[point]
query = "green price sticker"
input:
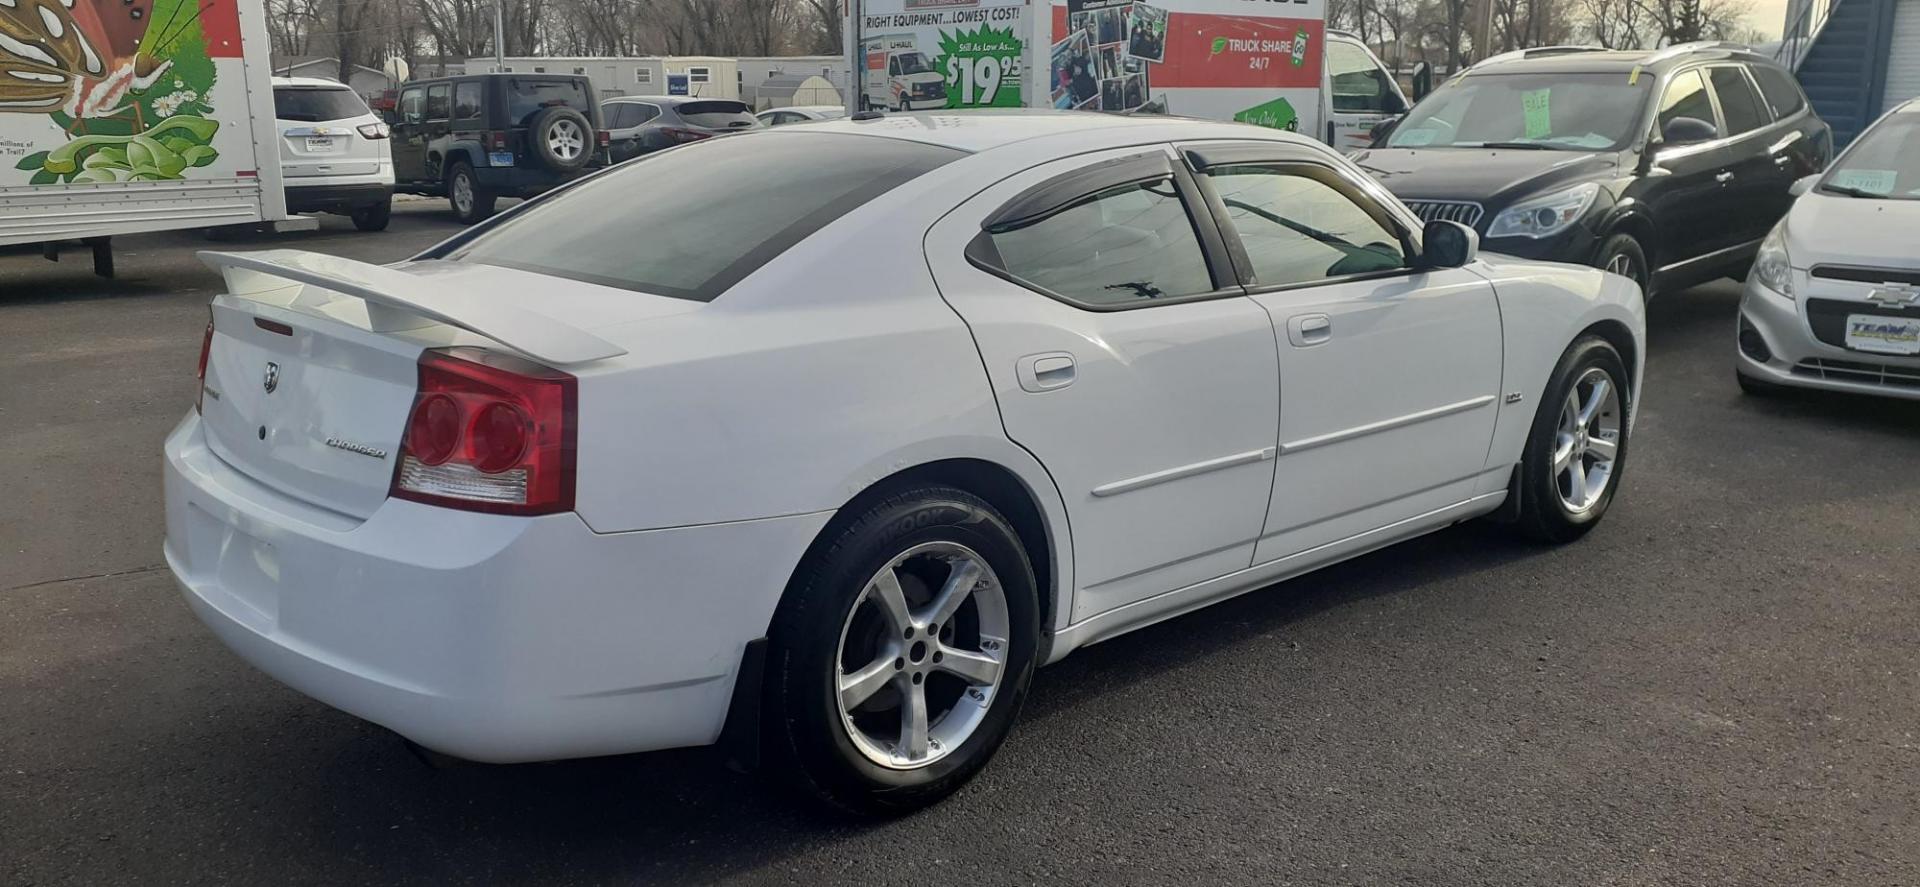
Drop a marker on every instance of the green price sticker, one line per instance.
(1539, 112)
(982, 67)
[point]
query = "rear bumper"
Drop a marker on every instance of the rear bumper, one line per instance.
(485, 637)
(337, 197)
(1794, 357)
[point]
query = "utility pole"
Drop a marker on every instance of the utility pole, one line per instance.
(1481, 29)
(499, 35)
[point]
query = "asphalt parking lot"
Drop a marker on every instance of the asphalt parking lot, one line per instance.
(1718, 686)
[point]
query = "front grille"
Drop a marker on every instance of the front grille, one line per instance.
(1465, 212)
(1857, 372)
(1828, 317)
(1866, 275)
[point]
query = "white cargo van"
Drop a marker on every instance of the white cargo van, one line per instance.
(148, 120)
(1269, 64)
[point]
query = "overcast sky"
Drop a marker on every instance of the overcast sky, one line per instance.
(1768, 16)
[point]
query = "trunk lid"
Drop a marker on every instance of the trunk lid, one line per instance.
(313, 364)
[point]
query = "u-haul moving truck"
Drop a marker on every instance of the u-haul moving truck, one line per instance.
(1266, 62)
(128, 116)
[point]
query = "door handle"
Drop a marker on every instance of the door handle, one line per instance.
(1045, 372)
(1308, 330)
(1724, 178)
(1782, 160)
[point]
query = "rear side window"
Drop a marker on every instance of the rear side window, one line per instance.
(1782, 93)
(717, 114)
(1122, 247)
(618, 115)
(1738, 102)
(1686, 97)
(316, 103)
(437, 104)
(527, 96)
(466, 101)
(714, 211)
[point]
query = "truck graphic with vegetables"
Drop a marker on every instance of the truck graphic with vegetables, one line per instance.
(125, 116)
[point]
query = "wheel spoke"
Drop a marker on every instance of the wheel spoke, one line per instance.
(1577, 490)
(892, 601)
(960, 584)
(1570, 414)
(1602, 448)
(977, 669)
(1595, 399)
(913, 722)
(1562, 453)
(857, 688)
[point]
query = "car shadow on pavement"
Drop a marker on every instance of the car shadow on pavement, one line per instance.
(682, 817)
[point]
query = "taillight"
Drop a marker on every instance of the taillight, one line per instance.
(685, 135)
(489, 432)
(206, 348)
(374, 131)
(602, 139)
(497, 140)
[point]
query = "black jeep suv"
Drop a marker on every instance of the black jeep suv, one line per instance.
(485, 136)
(1667, 166)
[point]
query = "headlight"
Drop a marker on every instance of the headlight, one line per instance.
(1546, 215)
(1771, 267)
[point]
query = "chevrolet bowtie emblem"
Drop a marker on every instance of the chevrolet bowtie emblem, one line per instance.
(1895, 294)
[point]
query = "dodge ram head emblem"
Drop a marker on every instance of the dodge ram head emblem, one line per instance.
(273, 376)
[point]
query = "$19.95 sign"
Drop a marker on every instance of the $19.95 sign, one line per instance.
(982, 67)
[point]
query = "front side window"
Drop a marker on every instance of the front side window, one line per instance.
(1738, 102)
(1121, 247)
(437, 104)
(1299, 224)
(1686, 96)
(1358, 83)
(1884, 163)
(713, 212)
(912, 63)
(413, 104)
(1568, 112)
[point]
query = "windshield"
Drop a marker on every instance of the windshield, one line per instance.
(713, 212)
(1570, 112)
(315, 103)
(914, 63)
(1883, 164)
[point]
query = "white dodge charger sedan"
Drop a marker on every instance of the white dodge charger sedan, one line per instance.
(1833, 300)
(816, 442)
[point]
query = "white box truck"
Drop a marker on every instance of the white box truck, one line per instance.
(130, 116)
(1269, 63)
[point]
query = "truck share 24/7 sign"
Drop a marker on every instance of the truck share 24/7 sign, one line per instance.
(1257, 61)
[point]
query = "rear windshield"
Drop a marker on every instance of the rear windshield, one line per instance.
(527, 96)
(714, 211)
(717, 115)
(314, 103)
(1567, 112)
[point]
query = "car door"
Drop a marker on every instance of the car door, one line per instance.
(1125, 358)
(469, 121)
(409, 142)
(1389, 375)
(1756, 194)
(437, 128)
(1689, 181)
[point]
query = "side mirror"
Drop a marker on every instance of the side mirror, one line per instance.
(1688, 130)
(1447, 245)
(1383, 129)
(1422, 80)
(1803, 184)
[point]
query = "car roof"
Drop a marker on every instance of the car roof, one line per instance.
(310, 82)
(1593, 60)
(984, 129)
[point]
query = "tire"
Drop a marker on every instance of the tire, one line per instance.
(1552, 509)
(831, 624)
(562, 139)
(1623, 249)
(471, 202)
(374, 216)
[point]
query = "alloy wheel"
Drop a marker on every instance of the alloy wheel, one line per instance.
(1586, 444)
(565, 139)
(922, 655)
(463, 194)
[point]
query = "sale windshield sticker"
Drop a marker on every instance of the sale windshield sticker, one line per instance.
(1537, 112)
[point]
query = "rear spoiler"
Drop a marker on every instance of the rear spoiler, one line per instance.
(394, 297)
